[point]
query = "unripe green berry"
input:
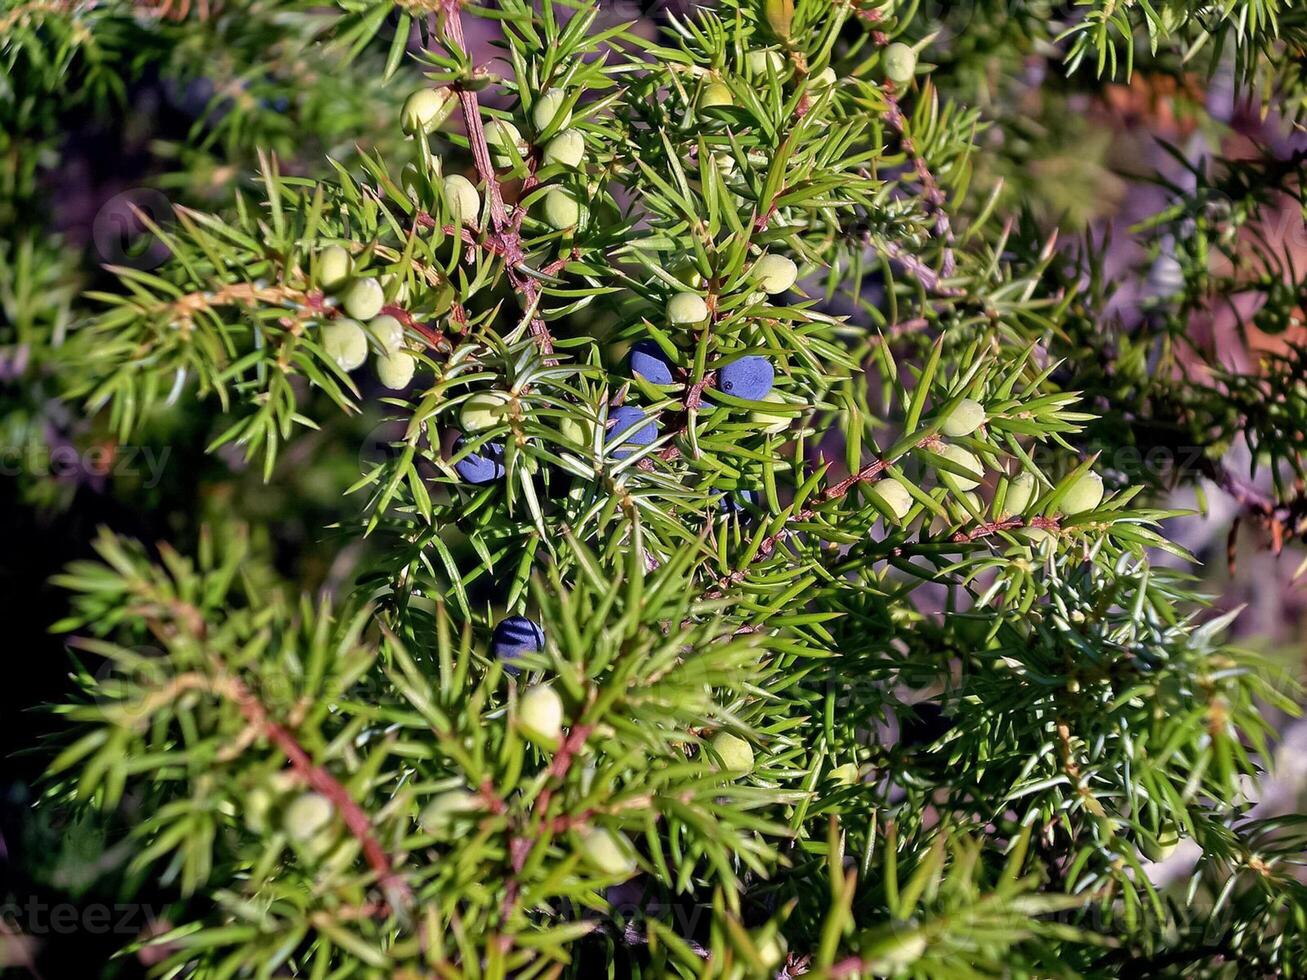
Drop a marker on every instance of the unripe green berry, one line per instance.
(1162, 846)
(567, 148)
(893, 494)
(775, 273)
(502, 137)
(773, 422)
(771, 951)
(687, 309)
(387, 332)
(540, 715)
(306, 816)
(346, 343)
(561, 209)
(824, 79)
(484, 410)
(900, 63)
(845, 775)
(579, 432)
(715, 94)
(759, 61)
(396, 369)
(888, 956)
(444, 810)
(735, 753)
(547, 106)
(1085, 494)
(1035, 535)
(364, 299)
(967, 460)
(335, 265)
(1019, 493)
(462, 197)
(426, 109)
(965, 419)
(608, 853)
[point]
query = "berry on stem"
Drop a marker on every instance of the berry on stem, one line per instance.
(1019, 493)
(968, 461)
(502, 137)
(735, 753)
(335, 266)
(715, 94)
(567, 148)
(483, 465)
(687, 309)
(387, 332)
(608, 853)
(967, 416)
(770, 421)
(446, 810)
(625, 423)
(749, 378)
(562, 210)
(396, 369)
(891, 492)
(649, 362)
(758, 62)
(364, 299)
(514, 637)
(484, 410)
(425, 110)
(1083, 495)
(346, 343)
(775, 273)
(900, 63)
(546, 108)
(306, 816)
(823, 80)
(462, 197)
(540, 715)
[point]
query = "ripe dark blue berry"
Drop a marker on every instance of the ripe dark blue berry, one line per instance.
(485, 465)
(514, 637)
(749, 378)
(650, 363)
(627, 417)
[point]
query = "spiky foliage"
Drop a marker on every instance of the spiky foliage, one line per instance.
(863, 674)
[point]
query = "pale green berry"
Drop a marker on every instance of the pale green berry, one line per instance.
(364, 299)
(396, 288)
(426, 109)
(824, 79)
(775, 273)
(900, 63)
(688, 274)
(561, 209)
(759, 61)
(770, 422)
(396, 369)
(567, 148)
(502, 137)
(968, 461)
(771, 951)
(1019, 493)
(462, 197)
(687, 309)
(966, 417)
(845, 775)
(540, 715)
(608, 853)
(484, 410)
(346, 343)
(546, 108)
(1163, 845)
(1085, 494)
(442, 813)
(735, 753)
(894, 953)
(715, 94)
(306, 816)
(1035, 535)
(387, 332)
(579, 432)
(335, 266)
(893, 494)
